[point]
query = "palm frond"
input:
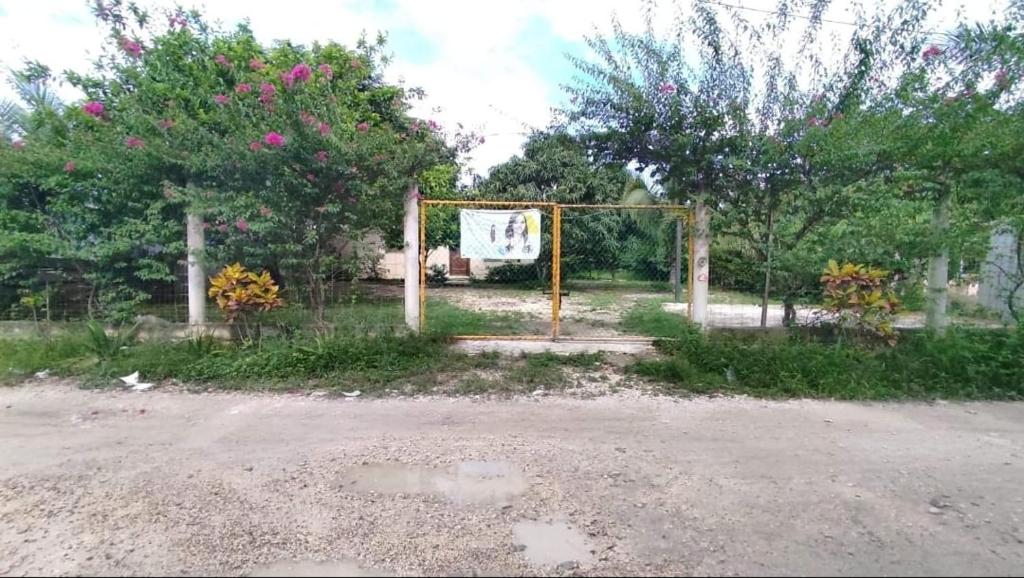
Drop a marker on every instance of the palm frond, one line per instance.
(13, 119)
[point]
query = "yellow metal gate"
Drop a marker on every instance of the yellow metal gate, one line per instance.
(556, 279)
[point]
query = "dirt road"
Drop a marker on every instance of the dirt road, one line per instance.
(118, 483)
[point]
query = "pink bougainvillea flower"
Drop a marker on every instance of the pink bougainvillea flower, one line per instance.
(134, 142)
(415, 127)
(265, 212)
(243, 88)
(311, 177)
(433, 125)
(356, 63)
(667, 88)
(482, 140)
(302, 72)
(326, 70)
(257, 64)
(223, 227)
(321, 156)
(93, 108)
(267, 92)
(222, 60)
(18, 144)
(132, 48)
(69, 166)
(363, 126)
(242, 224)
(177, 20)
(307, 118)
(287, 79)
(205, 225)
(274, 139)
(325, 129)
(221, 99)
(931, 52)
(165, 123)
(255, 146)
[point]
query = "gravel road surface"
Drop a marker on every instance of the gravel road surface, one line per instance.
(166, 482)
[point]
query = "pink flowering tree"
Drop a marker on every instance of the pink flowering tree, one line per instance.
(290, 153)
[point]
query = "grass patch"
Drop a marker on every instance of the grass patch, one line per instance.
(963, 364)
(372, 363)
(445, 319)
(648, 318)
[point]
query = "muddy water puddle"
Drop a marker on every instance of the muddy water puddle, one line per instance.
(315, 569)
(466, 482)
(552, 543)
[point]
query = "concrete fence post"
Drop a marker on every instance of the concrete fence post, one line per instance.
(701, 263)
(196, 242)
(411, 231)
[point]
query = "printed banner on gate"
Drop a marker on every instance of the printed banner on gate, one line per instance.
(500, 234)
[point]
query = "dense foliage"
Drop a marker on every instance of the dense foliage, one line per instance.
(291, 154)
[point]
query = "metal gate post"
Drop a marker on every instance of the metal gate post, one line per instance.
(423, 266)
(556, 268)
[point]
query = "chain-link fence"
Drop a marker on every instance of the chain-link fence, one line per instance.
(612, 265)
(362, 300)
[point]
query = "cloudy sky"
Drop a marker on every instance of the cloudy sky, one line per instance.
(495, 66)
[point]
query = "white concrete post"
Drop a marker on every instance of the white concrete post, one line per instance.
(701, 263)
(196, 241)
(412, 258)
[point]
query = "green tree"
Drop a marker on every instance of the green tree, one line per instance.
(554, 167)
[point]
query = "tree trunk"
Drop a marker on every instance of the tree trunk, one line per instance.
(767, 271)
(938, 265)
(702, 262)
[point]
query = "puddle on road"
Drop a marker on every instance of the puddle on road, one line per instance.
(315, 569)
(551, 543)
(468, 482)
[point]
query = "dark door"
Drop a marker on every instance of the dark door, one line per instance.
(457, 266)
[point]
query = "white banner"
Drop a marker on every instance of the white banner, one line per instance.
(500, 234)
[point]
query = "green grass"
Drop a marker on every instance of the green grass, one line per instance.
(446, 319)
(964, 364)
(649, 319)
(372, 363)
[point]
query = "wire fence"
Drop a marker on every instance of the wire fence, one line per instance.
(595, 272)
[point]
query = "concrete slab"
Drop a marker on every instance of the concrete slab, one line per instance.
(638, 346)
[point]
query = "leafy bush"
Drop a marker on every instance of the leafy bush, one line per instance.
(963, 364)
(512, 273)
(105, 345)
(437, 275)
(858, 297)
(238, 291)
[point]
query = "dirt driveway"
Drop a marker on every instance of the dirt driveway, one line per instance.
(115, 483)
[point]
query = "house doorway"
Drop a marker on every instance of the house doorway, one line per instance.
(457, 265)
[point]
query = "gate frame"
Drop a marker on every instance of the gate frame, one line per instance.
(556, 261)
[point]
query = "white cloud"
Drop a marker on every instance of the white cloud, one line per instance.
(480, 74)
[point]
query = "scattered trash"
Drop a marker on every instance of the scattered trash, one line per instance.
(42, 374)
(133, 381)
(355, 393)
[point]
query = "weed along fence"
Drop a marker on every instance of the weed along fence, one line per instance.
(512, 270)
